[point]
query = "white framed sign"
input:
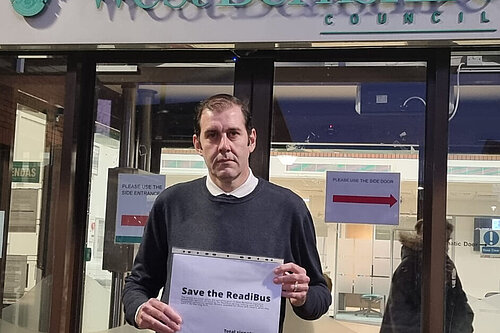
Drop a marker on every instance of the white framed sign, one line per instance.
(135, 197)
(362, 197)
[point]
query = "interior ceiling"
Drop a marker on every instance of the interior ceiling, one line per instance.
(309, 81)
(341, 91)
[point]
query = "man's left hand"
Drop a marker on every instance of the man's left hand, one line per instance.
(294, 282)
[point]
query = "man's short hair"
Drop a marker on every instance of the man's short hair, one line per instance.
(219, 103)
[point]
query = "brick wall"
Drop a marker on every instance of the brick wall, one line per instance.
(7, 115)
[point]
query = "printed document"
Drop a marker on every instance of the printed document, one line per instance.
(224, 293)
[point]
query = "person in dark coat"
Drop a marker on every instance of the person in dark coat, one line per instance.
(403, 308)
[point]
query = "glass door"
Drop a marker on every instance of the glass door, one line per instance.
(339, 123)
(474, 185)
(32, 92)
(144, 125)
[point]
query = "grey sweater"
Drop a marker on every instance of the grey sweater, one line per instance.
(270, 222)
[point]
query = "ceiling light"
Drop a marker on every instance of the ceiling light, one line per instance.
(213, 46)
(32, 56)
(480, 69)
(110, 68)
(351, 44)
(106, 46)
(477, 42)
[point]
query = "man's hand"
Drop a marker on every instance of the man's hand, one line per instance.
(158, 316)
(294, 282)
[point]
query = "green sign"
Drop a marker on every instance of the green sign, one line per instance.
(26, 172)
(29, 7)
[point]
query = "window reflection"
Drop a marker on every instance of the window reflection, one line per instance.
(350, 117)
(144, 120)
(32, 92)
(474, 179)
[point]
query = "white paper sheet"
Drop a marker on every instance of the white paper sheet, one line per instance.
(223, 293)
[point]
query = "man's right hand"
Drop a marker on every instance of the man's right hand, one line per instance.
(158, 316)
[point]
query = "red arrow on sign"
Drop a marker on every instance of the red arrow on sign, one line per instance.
(360, 199)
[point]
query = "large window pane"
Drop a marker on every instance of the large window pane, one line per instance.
(350, 117)
(144, 118)
(474, 186)
(32, 91)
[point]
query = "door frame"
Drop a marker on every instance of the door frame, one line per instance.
(252, 81)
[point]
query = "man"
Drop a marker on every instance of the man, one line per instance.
(254, 218)
(403, 309)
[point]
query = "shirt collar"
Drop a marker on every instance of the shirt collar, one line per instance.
(243, 190)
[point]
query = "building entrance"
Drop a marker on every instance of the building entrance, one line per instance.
(69, 122)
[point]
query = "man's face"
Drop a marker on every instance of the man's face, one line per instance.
(225, 146)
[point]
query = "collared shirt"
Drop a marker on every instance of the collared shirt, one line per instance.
(243, 190)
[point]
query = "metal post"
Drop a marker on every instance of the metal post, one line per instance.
(145, 128)
(116, 316)
(127, 159)
(127, 135)
(436, 154)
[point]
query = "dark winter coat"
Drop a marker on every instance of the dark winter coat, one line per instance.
(403, 308)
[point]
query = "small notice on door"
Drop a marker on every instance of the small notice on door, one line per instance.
(362, 197)
(136, 195)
